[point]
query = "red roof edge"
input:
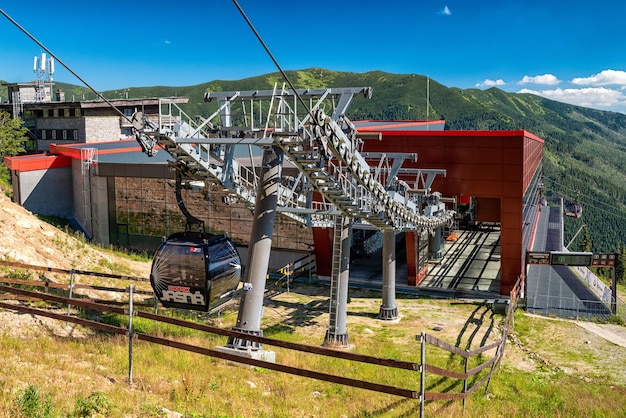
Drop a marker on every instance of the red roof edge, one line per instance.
(24, 163)
(517, 133)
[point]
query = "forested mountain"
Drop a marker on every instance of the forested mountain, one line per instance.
(585, 149)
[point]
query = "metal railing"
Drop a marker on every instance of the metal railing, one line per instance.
(574, 308)
(470, 379)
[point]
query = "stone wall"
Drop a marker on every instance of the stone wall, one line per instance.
(103, 129)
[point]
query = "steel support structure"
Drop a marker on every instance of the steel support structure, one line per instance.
(324, 146)
(337, 333)
(388, 309)
(251, 306)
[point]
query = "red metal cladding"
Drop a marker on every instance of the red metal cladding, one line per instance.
(26, 163)
(496, 167)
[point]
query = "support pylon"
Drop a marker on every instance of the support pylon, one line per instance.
(388, 309)
(251, 306)
(337, 333)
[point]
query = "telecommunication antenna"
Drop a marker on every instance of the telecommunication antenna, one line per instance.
(43, 66)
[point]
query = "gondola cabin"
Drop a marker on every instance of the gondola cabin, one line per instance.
(573, 210)
(193, 270)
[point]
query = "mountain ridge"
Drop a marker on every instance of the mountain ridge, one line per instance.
(585, 149)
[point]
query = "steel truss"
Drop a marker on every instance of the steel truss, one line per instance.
(318, 140)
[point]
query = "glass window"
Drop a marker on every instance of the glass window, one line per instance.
(183, 265)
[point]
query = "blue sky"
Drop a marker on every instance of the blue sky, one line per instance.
(572, 51)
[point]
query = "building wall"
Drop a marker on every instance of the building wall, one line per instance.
(99, 210)
(496, 167)
(102, 128)
(58, 125)
(46, 191)
(82, 198)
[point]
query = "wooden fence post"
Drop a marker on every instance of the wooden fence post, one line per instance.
(466, 359)
(130, 334)
(71, 290)
(422, 372)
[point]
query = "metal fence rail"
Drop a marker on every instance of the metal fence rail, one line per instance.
(481, 373)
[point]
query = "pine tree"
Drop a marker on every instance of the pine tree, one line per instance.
(12, 136)
(620, 269)
(585, 245)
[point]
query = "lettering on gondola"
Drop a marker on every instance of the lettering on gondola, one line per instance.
(177, 296)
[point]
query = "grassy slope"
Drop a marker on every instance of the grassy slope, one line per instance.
(551, 368)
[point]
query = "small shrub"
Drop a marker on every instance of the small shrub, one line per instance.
(95, 404)
(33, 404)
(616, 320)
(20, 274)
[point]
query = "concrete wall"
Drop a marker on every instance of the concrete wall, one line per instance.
(82, 200)
(100, 210)
(45, 192)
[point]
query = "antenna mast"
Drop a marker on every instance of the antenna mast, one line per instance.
(44, 68)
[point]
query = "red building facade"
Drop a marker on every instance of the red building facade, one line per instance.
(497, 168)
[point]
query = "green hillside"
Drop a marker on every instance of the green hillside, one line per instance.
(585, 151)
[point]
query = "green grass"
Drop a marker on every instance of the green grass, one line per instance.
(87, 376)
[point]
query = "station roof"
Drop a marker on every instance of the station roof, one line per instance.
(35, 162)
(129, 151)
(395, 125)
(115, 152)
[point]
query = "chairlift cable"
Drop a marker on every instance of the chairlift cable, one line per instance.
(614, 214)
(561, 186)
(282, 72)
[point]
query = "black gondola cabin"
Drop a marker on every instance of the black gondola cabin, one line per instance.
(194, 270)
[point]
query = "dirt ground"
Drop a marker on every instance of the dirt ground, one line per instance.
(26, 239)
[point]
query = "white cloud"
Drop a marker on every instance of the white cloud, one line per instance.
(168, 42)
(547, 79)
(446, 11)
(594, 97)
(604, 78)
(490, 83)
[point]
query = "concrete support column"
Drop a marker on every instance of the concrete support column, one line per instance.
(337, 333)
(388, 309)
(434, 245)
(251, 306)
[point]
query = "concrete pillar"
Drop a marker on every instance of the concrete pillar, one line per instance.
(337, 333)
(251, 306)
(388, 309)
(435, 251)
